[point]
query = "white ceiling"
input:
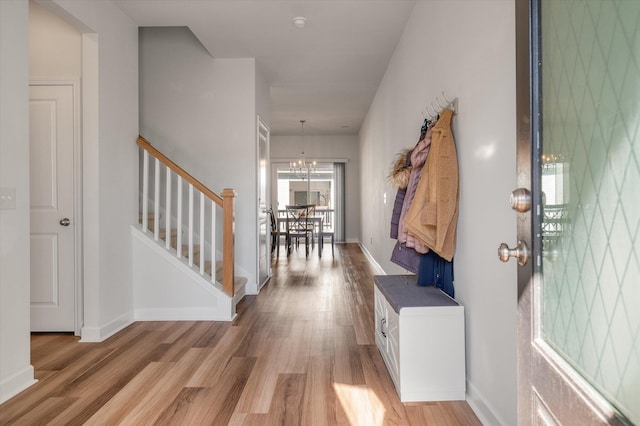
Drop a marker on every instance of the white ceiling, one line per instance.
(326, 73)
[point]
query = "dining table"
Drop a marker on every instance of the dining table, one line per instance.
(283, 219)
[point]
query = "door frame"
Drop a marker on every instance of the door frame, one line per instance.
(75, 84)
(541, 371)
(261, 124)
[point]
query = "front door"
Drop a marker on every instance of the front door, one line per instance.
(53, 223)
(578, 73)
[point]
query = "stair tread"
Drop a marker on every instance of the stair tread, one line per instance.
(163, 233)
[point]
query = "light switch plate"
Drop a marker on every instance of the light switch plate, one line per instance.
(7, 198)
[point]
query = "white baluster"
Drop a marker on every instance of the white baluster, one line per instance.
(156, 203)
(179, 219)
(145, 190)
(190, 225)
(201, 233)
(167, 212)
(213, 241)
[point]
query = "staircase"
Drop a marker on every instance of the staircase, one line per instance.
(238, 282)
(177, 243)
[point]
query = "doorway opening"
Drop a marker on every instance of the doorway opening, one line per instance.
(322, 186)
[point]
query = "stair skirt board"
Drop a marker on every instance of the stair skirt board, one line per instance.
(166, 288)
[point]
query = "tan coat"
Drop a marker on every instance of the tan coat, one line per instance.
(433, 215)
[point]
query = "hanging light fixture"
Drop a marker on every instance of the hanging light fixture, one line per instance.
(301, 168)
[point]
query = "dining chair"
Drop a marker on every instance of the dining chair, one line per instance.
(274, 231)
(300, 226)
(327, 233)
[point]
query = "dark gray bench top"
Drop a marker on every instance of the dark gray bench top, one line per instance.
(402, 291)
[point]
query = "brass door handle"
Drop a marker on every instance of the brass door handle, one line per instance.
(521, 252)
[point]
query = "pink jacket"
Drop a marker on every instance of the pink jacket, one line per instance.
(418, 159)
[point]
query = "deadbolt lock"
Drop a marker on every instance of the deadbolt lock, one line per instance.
(520, 200)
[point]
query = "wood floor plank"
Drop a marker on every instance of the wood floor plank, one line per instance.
(122, 362)
(20, 405)
(286, 406)
(238, 419)
(347, 363)
(197, 406)
(131, 333)
(301, 352)
(360, 404)
(176, 330)
(53, 347)
(435, 414)
(378, 379)
(46, 411)
(165, 391)
(463, 413)
(209, 371)
(363, 319)
(131, 395)
(299, 342)
(96, 386)
(319, 405)
(322, 334)
(213, 335)
(185, 341)
(258, 393)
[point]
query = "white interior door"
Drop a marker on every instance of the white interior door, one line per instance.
(264, 227)
(579, 156)
(53, 284)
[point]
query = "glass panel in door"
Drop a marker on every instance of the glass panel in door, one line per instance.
(578, 88)
(264, 228)
(590, 193)
(314, 186)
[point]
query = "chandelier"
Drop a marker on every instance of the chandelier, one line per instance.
(301, 168)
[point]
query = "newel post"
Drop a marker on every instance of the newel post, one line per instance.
(228, 233)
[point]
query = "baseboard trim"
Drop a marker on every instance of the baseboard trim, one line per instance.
(485, 413)
(16, 383)
(99, 334)
(180, 314)
(376, 266)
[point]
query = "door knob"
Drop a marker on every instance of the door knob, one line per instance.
(65, 221)
(521, 252)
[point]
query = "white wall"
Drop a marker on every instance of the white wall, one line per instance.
(263, 96)
(201, 112)
(320, 148)
(16, 373)
(467, 49)
(55, 47)
(110, 160)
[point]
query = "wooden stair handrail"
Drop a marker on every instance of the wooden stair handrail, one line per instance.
(226, 201)
(146, 145)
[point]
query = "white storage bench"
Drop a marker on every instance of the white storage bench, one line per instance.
(420, 334)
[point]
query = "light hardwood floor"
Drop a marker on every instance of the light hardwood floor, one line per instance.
(302, 352)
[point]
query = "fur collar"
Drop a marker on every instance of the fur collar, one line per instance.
(401, 169)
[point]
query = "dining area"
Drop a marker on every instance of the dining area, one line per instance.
(302, 227)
